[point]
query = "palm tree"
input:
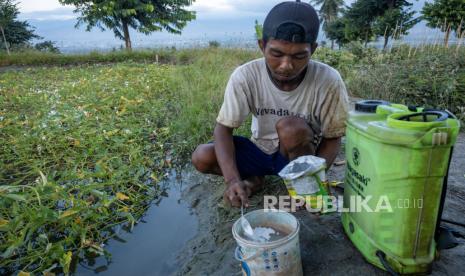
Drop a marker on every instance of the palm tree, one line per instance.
(329, 11)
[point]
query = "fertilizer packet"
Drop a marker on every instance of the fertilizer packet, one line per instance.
(306, 177)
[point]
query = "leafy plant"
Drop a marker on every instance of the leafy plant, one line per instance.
(83, 149)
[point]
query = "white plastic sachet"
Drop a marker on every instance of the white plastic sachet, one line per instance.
(304, 173)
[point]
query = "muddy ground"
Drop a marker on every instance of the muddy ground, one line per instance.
(325, 249)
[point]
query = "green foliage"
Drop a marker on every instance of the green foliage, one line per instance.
(394, 23)
(427, 76)
(144, 16)
(200, 87)
(8, 12)
(336, 31)
(13, 32)
(258, 30)
(448, 15)
(359, 19)
(83, 149)
(341, 60)
(365, 20)
(213, 44)
(361, 53)
(20, 33)
(47, 46)
(329, 12)
(36, 58)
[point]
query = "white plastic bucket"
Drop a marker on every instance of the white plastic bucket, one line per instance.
(279, 257)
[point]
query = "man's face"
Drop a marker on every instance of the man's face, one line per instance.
(286, 60)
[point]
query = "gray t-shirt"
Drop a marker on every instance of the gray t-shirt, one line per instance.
(321, 99)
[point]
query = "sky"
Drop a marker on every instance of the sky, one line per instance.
(206, 9)
(231, 22)
(205, 5)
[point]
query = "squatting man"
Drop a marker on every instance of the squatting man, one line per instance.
(298, 107)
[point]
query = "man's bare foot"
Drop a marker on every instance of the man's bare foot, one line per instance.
(254, 184)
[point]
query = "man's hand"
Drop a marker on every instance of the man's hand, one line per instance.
(237, 192)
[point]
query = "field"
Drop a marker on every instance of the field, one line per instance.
(86, 139)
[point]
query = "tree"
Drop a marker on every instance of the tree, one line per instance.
(395, 22)
(8, 12)
(20, 33)
(13, 32)
(145, 16)
(362, 16)
(448, 15)
(359, 19)
(329, 12)
(336, 32)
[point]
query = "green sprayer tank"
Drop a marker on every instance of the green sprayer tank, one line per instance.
(397, 165)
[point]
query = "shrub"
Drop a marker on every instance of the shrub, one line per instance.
(342, 60)
(429, 76)
(213, 44)
(47, 46)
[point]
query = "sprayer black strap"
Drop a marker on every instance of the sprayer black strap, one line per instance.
(441, 116)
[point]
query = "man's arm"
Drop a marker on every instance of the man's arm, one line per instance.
(328, 149)
(236, 191)
(225, 152)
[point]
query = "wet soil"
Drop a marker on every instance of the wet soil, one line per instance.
(325, 248)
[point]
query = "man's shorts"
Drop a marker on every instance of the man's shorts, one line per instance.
(251, 161)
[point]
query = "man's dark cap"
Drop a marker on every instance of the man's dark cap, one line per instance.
(292, 21)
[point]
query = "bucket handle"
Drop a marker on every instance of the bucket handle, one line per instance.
(238, 255)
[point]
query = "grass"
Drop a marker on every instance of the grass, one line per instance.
(36, 58)
(84, 146)
(429, 76)
(81, 149)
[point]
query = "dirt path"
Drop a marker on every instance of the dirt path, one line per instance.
(324, 247)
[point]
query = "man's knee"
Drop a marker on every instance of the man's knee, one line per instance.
(202, 158)
(294, 133)
(293, 128)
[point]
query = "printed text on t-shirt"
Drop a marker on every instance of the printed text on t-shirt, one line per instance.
(280, 112)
